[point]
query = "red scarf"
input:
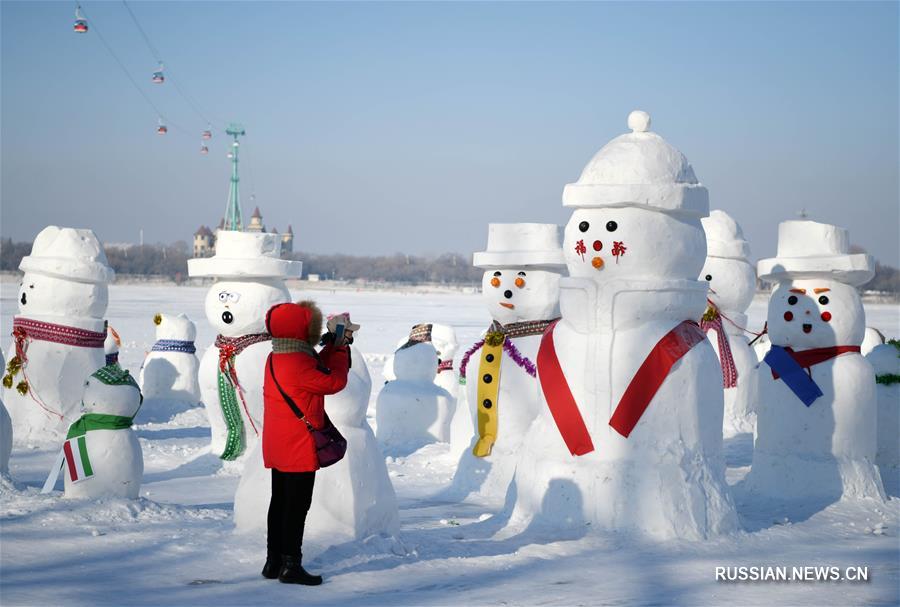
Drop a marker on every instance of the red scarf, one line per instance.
(808, 358)
(641, 390)
(712, 320)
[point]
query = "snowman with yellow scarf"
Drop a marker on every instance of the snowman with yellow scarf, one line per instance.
(520, 287)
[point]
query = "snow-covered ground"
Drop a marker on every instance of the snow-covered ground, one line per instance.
(176, 546)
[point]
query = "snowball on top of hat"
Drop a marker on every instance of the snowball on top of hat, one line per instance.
(178, 327)
(245, 255)
(639, 169)
(809, 249)
(68, 253)
(512, 245)
(724, 237)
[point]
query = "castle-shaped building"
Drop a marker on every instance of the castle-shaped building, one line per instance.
(205, 239)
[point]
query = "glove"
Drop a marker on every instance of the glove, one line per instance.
(349, 327)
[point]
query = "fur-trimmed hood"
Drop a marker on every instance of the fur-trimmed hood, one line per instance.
(301, 320)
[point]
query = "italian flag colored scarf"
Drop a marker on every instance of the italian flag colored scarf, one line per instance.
(230, 391)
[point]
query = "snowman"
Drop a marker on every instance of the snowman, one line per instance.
(443, 338)
(732, 284)
(59, 333)
(249, 277)
(871, 339)
(352, 499)
(169, 375)
(885, 359)
(522, 267)
(5, 432)
(630, 436)
(101, 454)
(816, 431)
(111, 346)
(412, 411)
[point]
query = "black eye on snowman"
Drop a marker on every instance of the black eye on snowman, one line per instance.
(611, 226)
(584, 226)
(792, 299)
(223, 296)
(823, 300)
(708, 277)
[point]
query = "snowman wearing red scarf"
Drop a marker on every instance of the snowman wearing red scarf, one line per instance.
(58, 334)
(630, 436)
(817, 413)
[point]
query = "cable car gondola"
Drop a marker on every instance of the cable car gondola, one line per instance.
(207, 135)
(81, 26)
(158, 76)
(162, 129)
(204, 150)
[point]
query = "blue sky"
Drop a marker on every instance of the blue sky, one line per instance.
(384, 127)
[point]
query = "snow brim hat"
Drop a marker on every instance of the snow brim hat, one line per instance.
(724, 237)
(113, 391)
(513, 245)
(245, 255)
(69, 253)
(639, 169)
(808, 249)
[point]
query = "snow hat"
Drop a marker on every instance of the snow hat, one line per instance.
(245, 255)
(513, 245)
(639, 169)
(808, 249)
(68, 253)
(418, 334)
(112, 390)
(724, 237)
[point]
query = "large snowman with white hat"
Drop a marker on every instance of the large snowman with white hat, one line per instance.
(58, 334)
(249, 275)
(169, 377)
(522, 267)
(354, 498)
(732, 284)
(631, 434)
(816, 429)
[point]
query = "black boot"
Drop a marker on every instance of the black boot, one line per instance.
(292, 572)
(272, 567)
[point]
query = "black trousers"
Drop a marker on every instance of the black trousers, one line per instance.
(291, 498)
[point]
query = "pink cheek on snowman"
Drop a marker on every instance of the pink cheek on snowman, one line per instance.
(789, 316)
(826, 316)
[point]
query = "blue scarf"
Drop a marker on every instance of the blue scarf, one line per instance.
(793, 375)
(174, 345)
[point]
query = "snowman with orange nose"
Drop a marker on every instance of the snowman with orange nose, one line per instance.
(816, 432)
(520, 289)
(630, 435)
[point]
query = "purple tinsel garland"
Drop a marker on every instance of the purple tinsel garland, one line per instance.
(510, 348)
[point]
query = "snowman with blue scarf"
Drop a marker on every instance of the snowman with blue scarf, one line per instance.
(816, 430)
(170, 370)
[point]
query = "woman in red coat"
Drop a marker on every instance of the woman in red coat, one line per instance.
(306, 376)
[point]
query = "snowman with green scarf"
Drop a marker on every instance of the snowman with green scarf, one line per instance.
(101, 455)
(249, 274)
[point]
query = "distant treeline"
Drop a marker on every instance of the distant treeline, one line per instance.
(171, 261)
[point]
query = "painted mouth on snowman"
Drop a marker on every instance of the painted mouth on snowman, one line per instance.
(508, 305)
(227, 317)
(24, 298)
(807, 328)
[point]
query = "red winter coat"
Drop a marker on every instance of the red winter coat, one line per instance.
(286, 442)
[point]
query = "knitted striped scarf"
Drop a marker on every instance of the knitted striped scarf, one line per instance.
(230, 390)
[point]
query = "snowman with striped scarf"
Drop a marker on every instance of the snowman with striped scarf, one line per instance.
(249, 275)
(58, 334)
(816, 433)
(630, 433)
(169, 375)
(101, 456)
(522, 267)
(732, 284)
